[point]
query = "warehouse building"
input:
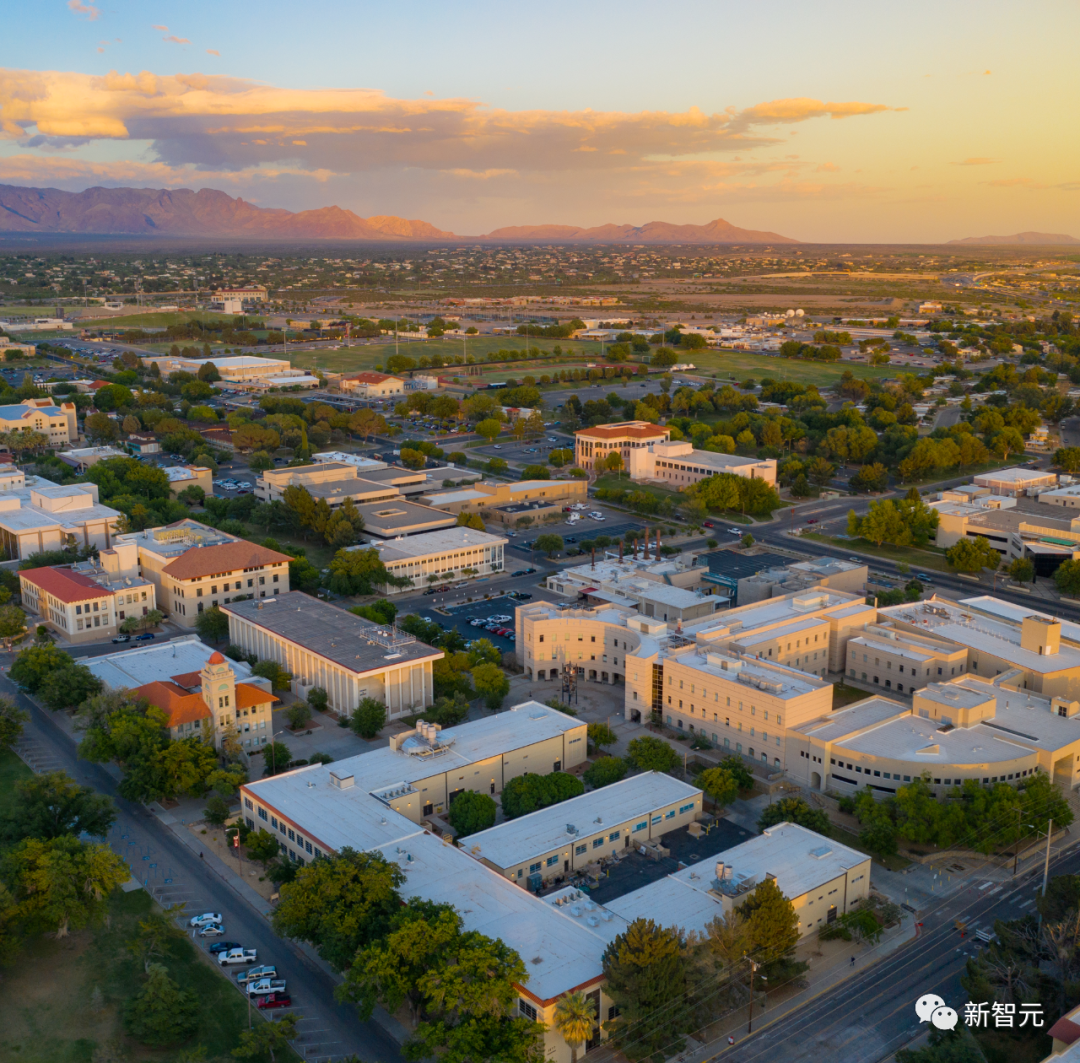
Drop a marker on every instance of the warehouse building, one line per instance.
(323, 646)
(565, 838)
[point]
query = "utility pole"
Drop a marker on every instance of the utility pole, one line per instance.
(1016, 851)
(750, 1023)
(1046, 865)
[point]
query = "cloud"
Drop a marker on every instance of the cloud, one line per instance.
(176, 40)
(221, 123)
(976, 162)
(161, 29)
(213, 51)
(1039, 186)
(92, 13)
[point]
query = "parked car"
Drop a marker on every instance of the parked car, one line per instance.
(215, 930)
(922, 577)
(264, 986)
(256, 974)
(520, 596)
(430, 590)
(237, 956)
(812, 520)
(520, 572)
(275, 1000)
(223, 946)
(145, 638)
(122, 638)
(707, 524)
(206, 919)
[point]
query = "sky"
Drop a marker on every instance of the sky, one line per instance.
(831, 121)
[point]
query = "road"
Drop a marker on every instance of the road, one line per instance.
(869, 1016)
(176, 874)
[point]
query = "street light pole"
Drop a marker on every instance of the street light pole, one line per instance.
(750, 1023)
(1046, 865)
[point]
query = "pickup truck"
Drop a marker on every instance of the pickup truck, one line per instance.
(237, 956)
(255, 974)
(266, 985)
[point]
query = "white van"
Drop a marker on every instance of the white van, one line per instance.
(573, 518)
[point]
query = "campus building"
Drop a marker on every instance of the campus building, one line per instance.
(444, 556)
(1015, 482)
(181, 477)
(89, 601)
(57, 423)
(593, 445)
(678, 464)
(503, 502)
(82, 459)
(324, 646)
(371, 385)
(331, 481)
(963, 730)
(566, 838)
(234, 369)
(201, 693)
(194, 567)
(37, 514)
(398, 517)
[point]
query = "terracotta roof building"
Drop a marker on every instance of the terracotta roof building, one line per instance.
(595, 444)
(89, 602)
(213, 704)
(195, 567)
(372, 385)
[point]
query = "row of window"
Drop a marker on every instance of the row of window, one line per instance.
(937, 782)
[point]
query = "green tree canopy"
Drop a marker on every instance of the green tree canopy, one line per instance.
(973, 555)
(161, 1013)
(472, 812)
(527, 793)
(54, 804)
(649, 753)
(604, 771)
(795, 810)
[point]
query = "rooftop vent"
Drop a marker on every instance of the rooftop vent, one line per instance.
(820, 852)
(342, 782)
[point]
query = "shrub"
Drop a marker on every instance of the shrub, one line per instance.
(604, 771)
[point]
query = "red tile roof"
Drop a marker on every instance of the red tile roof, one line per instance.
(228, 557)
(248, 695)
(370, 378)
(1065, 1030)
(64, 584)
(615, 431)
(175, 702)
(188, 680)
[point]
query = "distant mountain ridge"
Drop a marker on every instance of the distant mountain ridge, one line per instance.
(182, 212)
(212, 213)
(655, 232)
(1019, 238)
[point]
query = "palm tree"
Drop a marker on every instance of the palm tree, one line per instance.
(575, 1015)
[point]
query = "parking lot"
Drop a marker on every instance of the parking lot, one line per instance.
(460, 615)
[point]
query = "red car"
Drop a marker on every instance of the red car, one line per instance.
(812, 520)
(709, 524)
(275, 1000)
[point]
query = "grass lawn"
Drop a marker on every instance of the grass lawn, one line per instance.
(930, 557)
(740, 365)
(845, 837)
(64, 999)
(163, 320)
(624, 483)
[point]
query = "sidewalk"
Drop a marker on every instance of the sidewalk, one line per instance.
(834, 969)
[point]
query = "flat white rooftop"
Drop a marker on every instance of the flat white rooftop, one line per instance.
(519, 839)
(442, 541)
(1016, 476)
(349, 459)
(155, 662)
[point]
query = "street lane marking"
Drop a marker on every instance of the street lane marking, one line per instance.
(986, 885)
(993, 891)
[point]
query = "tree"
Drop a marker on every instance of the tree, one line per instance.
(527, 793)
(772, 924)
(1068, 458)
(369, 718)
(390, 971)
(100, 428)
(613, 462)
(68, 686)
(52, 805)
(212, 624)
(161, 1013)
(972, 555)
(489, 429)
(277, 757)
(216, 811)
(262, 846)
(873, 477)
(795, 810)
(267, 1038)
(60, 884)
(341, 904)
(413, 459)
(34, 665)
(734, 765)
(448, 711)
(12, 719)
(575, 1018)
(299, 715)
(318, 699)
(1022, 570)
(651, 754)
(491, 684)
(645, 971)
(1066, 576)
(279, 678)
(720, 784)
(471, 812)
(12, 621)
(549, 544)
(601, 735)
(470, 520)
(604, 771)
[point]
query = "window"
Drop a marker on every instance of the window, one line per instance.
(597, 842)
(613, 836)
(669, 814)
(552, 860)
(273, 821)
(262, 813)
(640, 826)
(533, 868)
(657, 819)
(527, 1009)
(247, 803)
(686, 808)
(580, 849)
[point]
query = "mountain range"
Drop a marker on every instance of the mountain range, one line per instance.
(1019, 238)
(211, 213)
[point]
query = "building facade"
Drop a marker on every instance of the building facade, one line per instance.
(371, 385)
(57, 423)
(593, 445)
(450, 555)
(680, 465)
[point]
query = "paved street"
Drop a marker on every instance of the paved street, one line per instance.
(175, 874)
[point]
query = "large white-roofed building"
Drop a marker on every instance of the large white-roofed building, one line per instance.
(451, 554)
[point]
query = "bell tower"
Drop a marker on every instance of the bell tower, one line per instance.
(219, 690)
